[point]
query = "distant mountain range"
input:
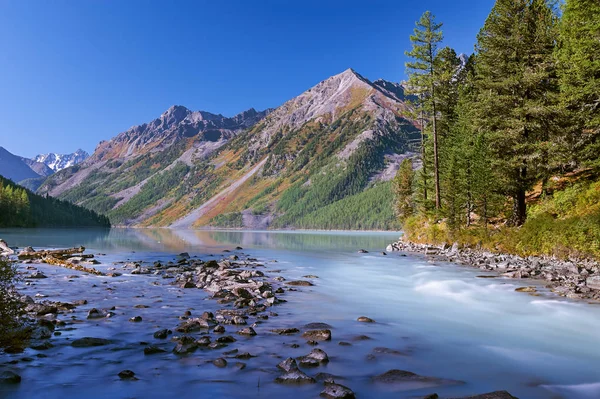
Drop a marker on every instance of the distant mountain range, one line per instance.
(321, 160)
(30, 173)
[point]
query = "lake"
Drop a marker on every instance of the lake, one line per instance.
(433, 318)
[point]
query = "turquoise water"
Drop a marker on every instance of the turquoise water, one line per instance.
(443, 320)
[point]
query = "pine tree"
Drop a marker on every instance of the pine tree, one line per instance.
(515, 73)
(578, 56)
(402, 186)
(422, 78)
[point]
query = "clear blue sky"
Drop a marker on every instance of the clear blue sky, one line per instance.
(75, 72)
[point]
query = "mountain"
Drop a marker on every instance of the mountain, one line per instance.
(56, 162)
(14, 167)
(321, 160)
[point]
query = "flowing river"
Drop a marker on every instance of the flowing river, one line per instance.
(433, 319)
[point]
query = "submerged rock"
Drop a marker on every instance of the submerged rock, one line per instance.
(220, 362)
(403, 377)
(151, 350)
(490, 395)
(285, 331)
(162, 334)
(9, 377)
(87, 342)
(300, 283)
(337, 391)
(365, 319)
(317, 335)
(295, 377)
(127, 375)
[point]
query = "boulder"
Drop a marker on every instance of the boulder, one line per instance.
(317, 335)
(288, 365)
(593, 282)
(315, 358)
(295, 377)
(248, 331)
(337, 391)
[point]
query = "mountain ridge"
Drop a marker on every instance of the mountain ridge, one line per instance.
(158, 173)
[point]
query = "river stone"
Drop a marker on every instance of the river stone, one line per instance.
(38, 275)
(192, 325)
(127, 375)
(490, 395)
(295, 377)
(220, 362)
(315, 358)
(288, 365)
(526, 289)
(300, 283)
(151, 350)
(248, 331)
(226, 339)
(162, 334)
(285, 331)
(317, 335)
(593, 282)
(87, 342)
(136, 319)
(9, 377)
(403, 377)
(337, 391)
(365, 319)
(317, 326)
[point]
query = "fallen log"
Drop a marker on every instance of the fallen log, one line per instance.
(56, 253)
(51, 260)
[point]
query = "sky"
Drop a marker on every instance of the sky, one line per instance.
(75, 72)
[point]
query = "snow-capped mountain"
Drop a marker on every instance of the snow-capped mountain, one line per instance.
(58, 162)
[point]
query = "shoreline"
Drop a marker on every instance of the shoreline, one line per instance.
(573, 279)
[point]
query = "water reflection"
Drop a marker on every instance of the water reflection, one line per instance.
(167, 240)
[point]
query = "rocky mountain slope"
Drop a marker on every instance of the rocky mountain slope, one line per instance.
(322, 154)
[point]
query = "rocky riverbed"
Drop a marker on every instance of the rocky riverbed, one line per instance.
(221, 312)
(574, 279)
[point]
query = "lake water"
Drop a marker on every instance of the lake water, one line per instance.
(443, 321)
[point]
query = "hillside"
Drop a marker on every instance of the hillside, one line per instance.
(14, 167)
(286, 168)
(22, 208)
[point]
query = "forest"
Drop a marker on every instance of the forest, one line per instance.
(20, 207)
(510, 134)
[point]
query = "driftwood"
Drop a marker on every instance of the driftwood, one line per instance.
(51, 260)
(61, 257)
(56, 253)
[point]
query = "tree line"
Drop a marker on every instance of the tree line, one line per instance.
(20, 207)
(523, 108)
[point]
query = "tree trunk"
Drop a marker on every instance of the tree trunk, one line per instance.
(423, 157)
(436, 169)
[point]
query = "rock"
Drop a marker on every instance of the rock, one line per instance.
(238, 320)
(593, 282)
(188, 284)
(244, 356)
(242, 293)
(387, 351)
(38, 275)
(337, 391)
(288, 365)
(285, 331)
(9, 377)
(41, 346)
(310, 276)
(184, 255)
(317, 326)
(87, 342)
(192, 325)
(402, 376)
(151, 350)
(364, 319)
(127, 375)
(5, 250)
(98, 314)
(295, 377)
(220, 362)
(363, 251)
(227, 339)
(240, 365)
(248, 331)
(317, 335)
(490, 395)
(162, 334)
(300, 283)
(526, 289)
(185, 345)
(315, 358)
(344, 343)
(136, 319)
(219, 329)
